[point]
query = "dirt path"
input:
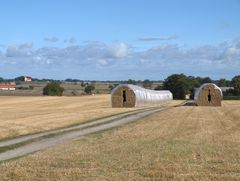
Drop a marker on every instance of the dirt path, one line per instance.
(106, 123)
(61, 130)
(29, 115)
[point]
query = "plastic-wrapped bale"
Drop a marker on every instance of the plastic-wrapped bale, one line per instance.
(127, 95)
(208, 95)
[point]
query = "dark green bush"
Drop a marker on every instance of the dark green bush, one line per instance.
(53, 89)
(89, 88)
(231, 97)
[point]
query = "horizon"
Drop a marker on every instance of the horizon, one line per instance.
(92, 40)
(120, 80)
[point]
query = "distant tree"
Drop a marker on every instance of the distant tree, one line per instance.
(53, 89)
(138, 81)
(159, 87)
(72, 80)
(35, 80)
(178, 84)
(236, 84)
(147, 83)
(112, 86)
(206, 80)
(89, 88)
(82, 84)
(229, 92)
(193, 84)
(20, 78)
(1, 79)
(130, 81)
(224, 83)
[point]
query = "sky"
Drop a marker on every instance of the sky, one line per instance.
(119, 40)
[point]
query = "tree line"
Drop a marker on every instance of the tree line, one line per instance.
(54, 89)
(179, 84)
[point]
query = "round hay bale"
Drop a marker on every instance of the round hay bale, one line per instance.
(208, 95)
(127, 95)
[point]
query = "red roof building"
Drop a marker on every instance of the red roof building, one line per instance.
(7, 86)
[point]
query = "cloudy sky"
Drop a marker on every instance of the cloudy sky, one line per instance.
(119, 40)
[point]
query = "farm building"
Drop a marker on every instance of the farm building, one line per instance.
(27, 79)
(127, 95)
(208, 95)
(7, 86)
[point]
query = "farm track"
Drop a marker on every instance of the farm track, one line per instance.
(24, 138)
(24, 145)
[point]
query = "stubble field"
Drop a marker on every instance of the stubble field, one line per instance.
(26, 115)
(193, 143)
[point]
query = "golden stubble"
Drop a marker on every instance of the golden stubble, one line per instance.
(182, 143)
(25, 115)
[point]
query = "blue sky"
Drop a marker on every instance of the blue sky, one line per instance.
(117, 40)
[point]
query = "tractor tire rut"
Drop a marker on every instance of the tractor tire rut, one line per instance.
(71, 133)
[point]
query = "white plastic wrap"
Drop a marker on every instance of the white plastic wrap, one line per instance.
(147, 97)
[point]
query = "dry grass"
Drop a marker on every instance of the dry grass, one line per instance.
(192, 143)
(24, 115)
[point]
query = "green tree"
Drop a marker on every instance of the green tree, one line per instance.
(82, 84)
(89, 88)
(205, 80)
(159, 87)
(112, 86)
(53, 89)
(193, 83)
(131, 81)
(178, 84)
(147, 83)
(20, 78)
(236, 84)
(224, 83)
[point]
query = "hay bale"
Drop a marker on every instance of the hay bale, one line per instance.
(123, 97)
(208, 95)
(127, 95)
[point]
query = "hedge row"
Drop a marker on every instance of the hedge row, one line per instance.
(231, 97)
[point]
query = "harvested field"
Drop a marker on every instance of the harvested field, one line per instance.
(25, 115)
(193, 143)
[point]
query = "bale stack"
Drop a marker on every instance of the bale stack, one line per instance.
(127, 95)
(208, 95)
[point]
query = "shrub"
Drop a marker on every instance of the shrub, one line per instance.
(159, 87)
(178, 84)
(53, 89)
(89, 88)
(236, 85)
(147, 84)
(231, 97)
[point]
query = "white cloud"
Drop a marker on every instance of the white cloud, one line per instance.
(119, 50)
(152, 38)
(98, 60)
(51, 39)
(71, 40)
(22, 50)
(102, 62)
(26, 45)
